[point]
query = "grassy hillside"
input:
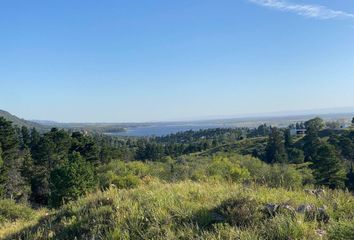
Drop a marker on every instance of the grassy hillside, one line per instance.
(20, 122)
(190, 210)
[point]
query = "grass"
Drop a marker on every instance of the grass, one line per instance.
(16, 217)
(188, 210)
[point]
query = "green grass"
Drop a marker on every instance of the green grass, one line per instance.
(191, 210)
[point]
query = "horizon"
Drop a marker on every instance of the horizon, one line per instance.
(161, 61)
(310, 113)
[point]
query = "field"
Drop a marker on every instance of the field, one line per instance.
(189, 210)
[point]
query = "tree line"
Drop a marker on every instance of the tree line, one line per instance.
(331, 160)
(58, 166)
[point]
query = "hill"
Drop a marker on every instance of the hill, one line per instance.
(189, 210)
(21, 122)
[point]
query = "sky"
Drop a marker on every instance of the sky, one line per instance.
(157, 60)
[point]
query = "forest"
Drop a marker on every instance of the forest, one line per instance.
(225, 183)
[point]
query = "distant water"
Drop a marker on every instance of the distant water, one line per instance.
(163, 130)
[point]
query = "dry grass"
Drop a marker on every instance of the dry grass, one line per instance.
(186, 210)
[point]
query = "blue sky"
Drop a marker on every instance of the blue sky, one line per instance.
(120, 61)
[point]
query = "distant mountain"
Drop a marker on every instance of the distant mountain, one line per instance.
(46, 122)
(21, 122)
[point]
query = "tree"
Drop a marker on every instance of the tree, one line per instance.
(288, 141)
(43, 159)
(353, 120)
(34, 138)
(25, 137)
(275, 150)
(295, 155)
(11, 181)
(350, 179)
(1, 161)
(86, 146)
(150, 151)
(315, 124)
(328, 170)
(71, 180)
(312, 140)
(16, 186)
(346, 146)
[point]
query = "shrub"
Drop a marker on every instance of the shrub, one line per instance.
(122, 175)
(128, 181)
(11, 211)
(283, 176)
(222, 167)
(240, 212)
(343, 230)
(281, 227)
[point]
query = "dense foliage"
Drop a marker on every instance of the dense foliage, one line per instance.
(58, 167)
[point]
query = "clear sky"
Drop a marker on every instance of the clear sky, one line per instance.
(119, 61)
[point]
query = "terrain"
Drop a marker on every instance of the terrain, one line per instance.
(218, 183)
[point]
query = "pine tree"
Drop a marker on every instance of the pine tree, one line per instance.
(312, 140)
(72, 180)
(350, 179)
(25, 137)
(328, 170)
(12, 184)
(34, 138)
(288, 141)
(1, 161)
(275, 150)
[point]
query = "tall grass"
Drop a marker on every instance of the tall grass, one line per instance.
(210, 209)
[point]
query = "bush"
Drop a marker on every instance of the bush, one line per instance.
(11, 211)
(122, 175)
(222, 167)
(343, 230)
(281, 228)
(128, 181)
(283, 176)
(241, 212)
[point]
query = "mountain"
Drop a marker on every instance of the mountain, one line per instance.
(46, 122)
(21, 122)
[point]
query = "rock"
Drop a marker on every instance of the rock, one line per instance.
(322, 215)
(313, 213)
(316, 192)
(310, 192)
(319, 192)
(305, 208)
(321, 233)
(272, 210)
(287, 209)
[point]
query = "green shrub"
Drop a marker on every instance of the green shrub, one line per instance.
(128, 181)
(122, 174)
(11, 211)
(281, 227)
(280, 175)
(343, 230)
(241, 212)
(222, 167)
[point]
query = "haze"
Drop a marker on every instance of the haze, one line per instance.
(122, 61)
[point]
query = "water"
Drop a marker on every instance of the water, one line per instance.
(162, 130)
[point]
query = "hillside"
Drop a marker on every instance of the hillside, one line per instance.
(21, 122)
(190, 210)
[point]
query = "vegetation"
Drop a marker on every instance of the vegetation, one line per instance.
(194, 210)
(240, 183)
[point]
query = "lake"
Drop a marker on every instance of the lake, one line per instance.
(162, 130)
